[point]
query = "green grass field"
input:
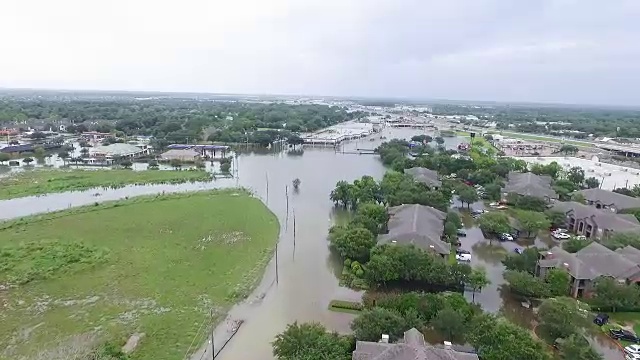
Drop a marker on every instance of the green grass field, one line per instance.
(154, 265)
(38, 182)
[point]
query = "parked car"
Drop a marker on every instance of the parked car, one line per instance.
(622, 334)
(463, 255)
(518, 251)
(505, 237)
(581, 237)
(601, 319)
(632, 357)
(632, 349)
(461, 233)
(560, 236)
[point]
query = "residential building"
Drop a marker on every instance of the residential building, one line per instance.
(530, 184)
(612, 201)
(426, 176)
(412, 347)
(180, 154)
(419, 225)
(95, 136)
(589, 263)
(595, 223)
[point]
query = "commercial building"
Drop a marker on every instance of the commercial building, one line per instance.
(119, 150)
(186, 155)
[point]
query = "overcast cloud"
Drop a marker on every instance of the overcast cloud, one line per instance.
(573, 51)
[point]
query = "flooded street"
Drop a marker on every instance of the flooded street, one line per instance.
(307, 276)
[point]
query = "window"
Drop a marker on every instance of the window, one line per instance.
(580, 226)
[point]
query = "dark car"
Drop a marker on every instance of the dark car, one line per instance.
(461, 232)
(601, 319)
(622, 334)
(518, 250)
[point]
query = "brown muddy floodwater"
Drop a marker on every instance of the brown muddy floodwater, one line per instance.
(307, 272)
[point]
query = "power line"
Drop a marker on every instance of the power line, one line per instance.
(195, 337)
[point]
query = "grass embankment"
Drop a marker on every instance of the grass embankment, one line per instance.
(154, 265)
(39, 182)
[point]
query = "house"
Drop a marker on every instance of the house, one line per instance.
(595, 223)
(530, 184)
(180, 154)
(426, 176)
(118, 150)
(613, 201)
(589, 263)
(419, 225)
(412, 347)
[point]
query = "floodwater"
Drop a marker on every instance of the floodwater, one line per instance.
(307, 273)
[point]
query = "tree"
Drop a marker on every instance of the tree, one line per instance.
(576, 347)
(568, 149)
(4, 157)
(311, 341)
(225, 167)
(487, 334)
(27, 160)
(526, 284)
(296, 183)
(371, 324)
(562, 316)
(468, 195)
(372, 216)
(558, 281)
(574, 245)
(592, 183)
(493, 191)
(522, 262)
(175, 163)
(450, 324)
(477, 279)
(63, 155)
(578, 197)
(342, 194)
(354, 244)
(84, 151)
(556, 218)
(126, 163)
(425, 139)
(439, 140)
(494, 223)
(576, 176)
(532, 221)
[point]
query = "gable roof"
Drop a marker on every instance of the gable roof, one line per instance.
(530, 184)
(413, 347)
(630, 253)
(603, 219)
(416, 224)
(424, 175)
(592, 261)
(117, 149)
(610, 198)
(180, 154)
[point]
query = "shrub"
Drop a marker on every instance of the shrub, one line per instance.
(347, 305)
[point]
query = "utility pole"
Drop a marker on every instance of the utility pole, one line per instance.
(277, 263)
(213, 354)
(266, 175)
(294, 230)
(286, 194)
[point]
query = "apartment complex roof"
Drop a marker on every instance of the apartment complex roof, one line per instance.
(591, 262)
(603, 219)
(413, 347)
(416, 224)
(530, 184)
(424, 175)
(611, 199)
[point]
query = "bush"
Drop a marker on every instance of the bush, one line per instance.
(347, 305)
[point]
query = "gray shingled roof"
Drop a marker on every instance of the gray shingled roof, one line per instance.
(415, 224)
(424, 175)
(610, 198)
(412, 348)
(604, 219)
(591, 262)
(630, 253)
(530, 184)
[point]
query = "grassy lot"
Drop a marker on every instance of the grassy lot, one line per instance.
(540, 138)
(38, 182)
(155, 265)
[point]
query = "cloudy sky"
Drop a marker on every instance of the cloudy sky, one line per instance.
(572, 51)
